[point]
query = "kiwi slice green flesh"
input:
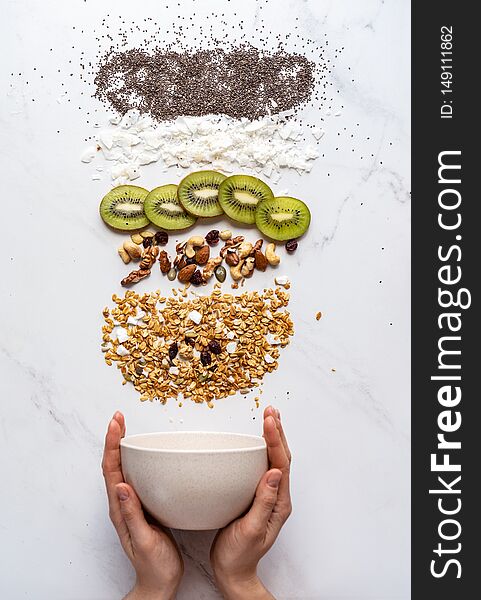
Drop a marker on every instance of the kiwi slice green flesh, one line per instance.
(123, 207)
(283, 218)
(199, 193)
(162, 208)
(239, 196)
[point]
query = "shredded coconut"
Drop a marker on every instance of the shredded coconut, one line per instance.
(264, 146)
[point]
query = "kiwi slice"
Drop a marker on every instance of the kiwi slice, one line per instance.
(199, 193)
(123, 207)
(239, 196)
(282, 218)
(162, 208)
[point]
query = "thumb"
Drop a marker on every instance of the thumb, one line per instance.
(132, 513)
(265, 500)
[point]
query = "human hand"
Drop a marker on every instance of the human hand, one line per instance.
(150, 548)
(238, 547)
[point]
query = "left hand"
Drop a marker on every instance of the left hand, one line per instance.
(150, 548)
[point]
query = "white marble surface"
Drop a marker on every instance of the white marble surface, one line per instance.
(348, 537)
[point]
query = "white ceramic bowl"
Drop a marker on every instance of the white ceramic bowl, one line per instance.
(194, 479)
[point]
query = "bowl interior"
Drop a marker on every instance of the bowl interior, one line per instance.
(193, 441)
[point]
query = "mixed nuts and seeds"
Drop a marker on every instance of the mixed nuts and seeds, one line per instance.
(194, 262)
(196, 347)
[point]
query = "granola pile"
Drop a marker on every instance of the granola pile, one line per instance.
(196, 347)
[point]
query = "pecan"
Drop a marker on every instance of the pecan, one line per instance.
(260, 260)
(186, 273)
(202, 255)
(165, 263)
(180, 262)
(232, 243)
(135, 276)
(180, 247)
(232, 259)
(257, 246)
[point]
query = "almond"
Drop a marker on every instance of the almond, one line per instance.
(261, 261)
(202, 255)
(186, 273)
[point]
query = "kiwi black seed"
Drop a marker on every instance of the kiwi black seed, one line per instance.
(283, 218)
(123, 207)
(162, 208)
(239, 196)
(198, 193)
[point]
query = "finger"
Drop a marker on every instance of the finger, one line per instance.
(112, 470)
(274, 412)
(278, 459)
(133, 516)
(257, 519)
(277, 454)
(119, 417)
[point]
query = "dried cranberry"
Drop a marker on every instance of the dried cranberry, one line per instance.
(173, 349)
(214, 347)
(161, 238)
(212, 238)
(197, 278)
(205, 358)
(291, 245)
(190, 261)
(147, 242)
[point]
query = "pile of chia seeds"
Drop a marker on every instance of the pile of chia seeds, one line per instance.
(238, 82)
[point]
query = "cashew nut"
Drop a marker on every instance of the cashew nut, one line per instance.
(194, 242)
(271, 255)
(210, 267)
(235, 272)
(245, 249)
(248, 267)
(124, 255)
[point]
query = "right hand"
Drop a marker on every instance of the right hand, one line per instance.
(238, 548)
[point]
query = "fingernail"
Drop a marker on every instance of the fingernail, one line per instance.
(122, 494)
(274, 479)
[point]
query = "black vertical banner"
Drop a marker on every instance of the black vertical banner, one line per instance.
(446, 268)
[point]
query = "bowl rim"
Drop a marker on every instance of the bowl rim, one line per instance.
(126, 443)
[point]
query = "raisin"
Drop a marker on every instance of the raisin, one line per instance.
(173, 349)
(214, 347)
(190, 341)
(161, 238)
(291, 245)
(212, 238)
(205, 358)
(147, 242)
(197, 278)
(190, 261)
